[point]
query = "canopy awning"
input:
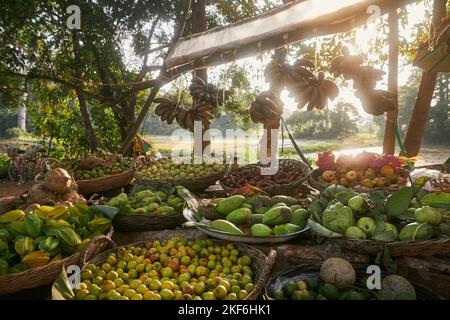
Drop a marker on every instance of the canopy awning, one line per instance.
(283, 25)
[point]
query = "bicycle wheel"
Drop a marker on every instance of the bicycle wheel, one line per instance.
(13, 173)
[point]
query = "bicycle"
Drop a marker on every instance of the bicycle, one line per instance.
(25, 164)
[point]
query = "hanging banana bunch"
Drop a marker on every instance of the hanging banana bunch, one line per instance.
(374, 102)
(266, 107)
(347, 65)
(207, 93)
(308, 89)
(315, 92)
(367, 77)
(300, 72)
(277, 70)
(165, 109)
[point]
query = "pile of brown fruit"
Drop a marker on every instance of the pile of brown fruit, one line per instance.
(252, 175)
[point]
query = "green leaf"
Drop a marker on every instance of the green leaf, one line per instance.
(61, 289)
(107, 211)
(377, 197)
(407, 215)
(191, 200)
(385, 236)
(437, 200)
(388, 262)
(320, 230)
(398, 202)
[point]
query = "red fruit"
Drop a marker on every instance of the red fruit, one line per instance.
(328, 175)
(172, 264)
(369, 174)
(343, 182)
(345, 161)
(352, 175)
(386, 159)
(387, 171)
(365, 159)
(325, 160)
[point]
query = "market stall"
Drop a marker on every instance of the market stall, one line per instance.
(156, 229)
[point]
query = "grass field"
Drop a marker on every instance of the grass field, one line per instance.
(165, 145)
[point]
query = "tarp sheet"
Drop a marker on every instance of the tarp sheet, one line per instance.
(300, 16)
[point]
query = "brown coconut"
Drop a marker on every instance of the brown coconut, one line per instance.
(39, 194)
(394, 285)
(74, 197)
(58, 181)
(339, 272)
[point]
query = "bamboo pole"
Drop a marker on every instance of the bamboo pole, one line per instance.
(391, 117)
(200, 24)
(419, 115)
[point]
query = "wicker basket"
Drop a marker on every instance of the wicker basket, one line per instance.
(145, 222)
(313, 180)
(194, 184)
(106, 183)
(285, 189)
(309, 271)
(261, 264)
(445, 168)
(397, 248)
(39, 276)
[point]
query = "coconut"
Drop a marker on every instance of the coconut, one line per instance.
(73, 187)
(339, 272)
(74, 197)
(39, 194)
(58, 181)
(394, 286)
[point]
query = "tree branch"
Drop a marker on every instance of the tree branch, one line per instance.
(163, 78)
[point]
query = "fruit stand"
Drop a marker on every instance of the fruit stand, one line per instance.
(154, 229)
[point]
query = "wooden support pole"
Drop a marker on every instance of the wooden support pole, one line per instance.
(200, 24)
(391, 117)
(419, 115)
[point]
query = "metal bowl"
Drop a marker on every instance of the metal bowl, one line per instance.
(250, 239)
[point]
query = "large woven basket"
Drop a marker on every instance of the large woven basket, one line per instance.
(285, 189)
(308, 271)
(313, 180)
(111, 182)
(145, 222)
(39, 276)
(194, 184)
(445, 168)
(261, 264)
(430, 247)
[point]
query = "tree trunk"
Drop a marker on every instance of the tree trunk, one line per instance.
(81, 100)
(391, 117)
(200, 24)
(22, 116)
(419, 114)
(163, 78)
(135, 127)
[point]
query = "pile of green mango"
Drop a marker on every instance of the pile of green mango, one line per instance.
(149, 202)
(120, 165)
(259, 215)
(398, 217)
